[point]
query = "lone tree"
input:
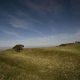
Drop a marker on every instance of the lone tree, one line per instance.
(18, 48)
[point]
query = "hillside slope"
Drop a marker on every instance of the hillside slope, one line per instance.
(59, 63)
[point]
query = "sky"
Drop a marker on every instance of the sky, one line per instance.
(39, 23)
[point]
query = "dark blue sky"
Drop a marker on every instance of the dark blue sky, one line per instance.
(39, 22)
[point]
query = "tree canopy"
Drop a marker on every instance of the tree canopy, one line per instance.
(18, 47)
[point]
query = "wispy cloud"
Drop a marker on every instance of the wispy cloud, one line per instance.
(50, 6)
(12, 33)
(45, 41)
(23, 24)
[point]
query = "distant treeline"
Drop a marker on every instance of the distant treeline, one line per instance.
(76, 42)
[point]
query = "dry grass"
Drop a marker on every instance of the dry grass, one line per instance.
(58, 63)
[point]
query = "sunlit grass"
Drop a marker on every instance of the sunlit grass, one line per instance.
(41, 64)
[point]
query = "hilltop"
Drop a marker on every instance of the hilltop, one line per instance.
(55, 63)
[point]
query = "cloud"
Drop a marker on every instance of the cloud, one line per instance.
(45, 41)
(23, 24)
(12, 33)
(50, 6)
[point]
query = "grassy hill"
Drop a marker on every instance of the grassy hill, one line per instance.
(57, 63)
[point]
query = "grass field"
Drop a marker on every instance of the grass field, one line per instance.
(57, 63)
